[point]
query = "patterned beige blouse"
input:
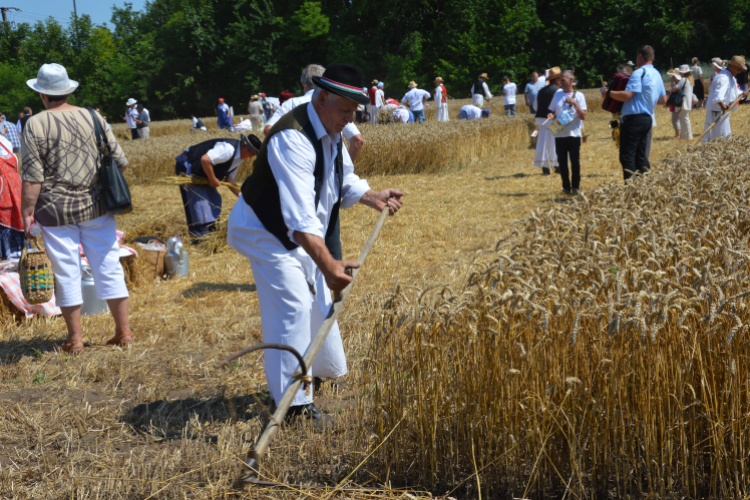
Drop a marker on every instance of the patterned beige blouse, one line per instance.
(59, 151)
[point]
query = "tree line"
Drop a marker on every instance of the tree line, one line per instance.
(180, 56)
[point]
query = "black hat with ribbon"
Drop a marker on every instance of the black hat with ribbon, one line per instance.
(344, 80)
(251, 142)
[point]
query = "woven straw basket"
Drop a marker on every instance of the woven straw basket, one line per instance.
(35, 273)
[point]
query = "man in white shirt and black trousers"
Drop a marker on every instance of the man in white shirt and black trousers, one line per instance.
(286, 223)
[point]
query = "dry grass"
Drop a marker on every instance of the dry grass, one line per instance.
(159, 419)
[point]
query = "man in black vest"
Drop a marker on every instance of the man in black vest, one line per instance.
(546, 156)
(480, 91)
(287, 224)
(216, 160)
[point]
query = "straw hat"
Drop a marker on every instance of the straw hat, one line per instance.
(412, 84)
(438, 80)
(52, 79)
(130, 102)
(484, 76)
(554, 73)
(684, 68)
(718, 63)
(738, 61)
(675, 73)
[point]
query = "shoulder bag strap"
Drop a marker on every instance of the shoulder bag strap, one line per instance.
(101, 138)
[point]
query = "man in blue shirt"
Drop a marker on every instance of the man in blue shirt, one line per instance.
(531, 90)
(644, 92)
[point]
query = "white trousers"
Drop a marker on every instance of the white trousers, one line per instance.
(722, 129)
(99, 242)
(442, 112)
(289, 312)
(478, 100)
(686, 128)
(546, 153)
(374, 114)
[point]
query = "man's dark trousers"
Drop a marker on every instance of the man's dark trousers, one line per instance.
(634, 143)
(565, 146)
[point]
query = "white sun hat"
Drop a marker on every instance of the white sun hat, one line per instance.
(52, 79)
(130, 102)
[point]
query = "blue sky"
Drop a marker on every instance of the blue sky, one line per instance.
(34, 10)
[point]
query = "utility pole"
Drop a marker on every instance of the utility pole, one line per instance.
(5, 10)
(75, 11)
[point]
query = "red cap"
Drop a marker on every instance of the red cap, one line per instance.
(263, 94)
(221, 99)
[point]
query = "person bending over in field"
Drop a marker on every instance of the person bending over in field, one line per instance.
(471, 112)
(286, 223)
(216, 160)
(198, 125)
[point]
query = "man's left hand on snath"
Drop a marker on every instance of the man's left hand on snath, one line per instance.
(380, 199)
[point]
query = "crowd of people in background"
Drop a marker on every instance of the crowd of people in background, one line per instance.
(57, 185)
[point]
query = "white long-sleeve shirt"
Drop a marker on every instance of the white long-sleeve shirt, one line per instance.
(292, 161)
(130, 115)
(439, 95)
(414, 98)
(485, 89)
(349, 131)
(723, 89)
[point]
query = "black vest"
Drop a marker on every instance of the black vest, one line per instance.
(544, 99)
(261, 191)
(195, 153)
(477, 88)
(23, 122)
(199, 123)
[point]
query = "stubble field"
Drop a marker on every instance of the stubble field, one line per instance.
(496, 365)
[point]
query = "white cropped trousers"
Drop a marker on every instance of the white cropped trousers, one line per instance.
(99, 242)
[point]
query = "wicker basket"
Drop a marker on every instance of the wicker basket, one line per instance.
(35, 274)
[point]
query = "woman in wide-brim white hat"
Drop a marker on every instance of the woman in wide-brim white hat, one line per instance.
(62, 192)
(686, 84)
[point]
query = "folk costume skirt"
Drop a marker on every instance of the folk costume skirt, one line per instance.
(290, 313)
(546, 153)
(442, 112)
(11, 221)
(202, 204)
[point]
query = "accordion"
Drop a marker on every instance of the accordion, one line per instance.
(619, 82)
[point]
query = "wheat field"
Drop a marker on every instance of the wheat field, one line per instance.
(504, 341)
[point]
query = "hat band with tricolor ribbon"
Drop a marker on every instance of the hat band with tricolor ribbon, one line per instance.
(341, 86)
